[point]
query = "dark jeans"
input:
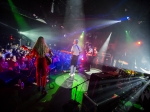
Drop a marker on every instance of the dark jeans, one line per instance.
(74, 60)
(89, 62)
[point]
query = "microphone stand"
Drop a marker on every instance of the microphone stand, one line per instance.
(72, 104)
(77, 89)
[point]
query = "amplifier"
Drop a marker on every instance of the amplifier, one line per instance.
(89, 105)
(102, 86)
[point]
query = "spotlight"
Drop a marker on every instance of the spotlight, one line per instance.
(34, 15)
(139, 43)
(128, 18)
(139, 22)
(62, 26)
(11, 37)
(20, 32)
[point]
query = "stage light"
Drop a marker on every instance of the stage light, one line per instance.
(11, 37)
(126, 31)
(128, 18)
(52, 7)
(22, 32)
(82, 59)
(139, 43)
(81, 36)
(139, 22)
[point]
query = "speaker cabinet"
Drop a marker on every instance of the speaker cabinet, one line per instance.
(89, 105)
(101, 86)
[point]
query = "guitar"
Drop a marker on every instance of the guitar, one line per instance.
(66, 52)
(48, 60)
(25, 48)
(123, 62)
(89, 54)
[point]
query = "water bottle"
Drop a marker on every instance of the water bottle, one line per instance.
(19, 82)
(22, 85)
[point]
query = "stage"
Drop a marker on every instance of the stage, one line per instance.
(29, 99)
(60, 92)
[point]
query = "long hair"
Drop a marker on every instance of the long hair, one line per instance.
(41, 47)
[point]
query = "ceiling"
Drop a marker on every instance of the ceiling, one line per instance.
(137, 10)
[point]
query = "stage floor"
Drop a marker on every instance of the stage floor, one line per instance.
(61, 89)
(93, 70)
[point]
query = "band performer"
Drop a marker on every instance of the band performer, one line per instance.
(95, 57)
(89, 56)
(75, 51)
(40, 50)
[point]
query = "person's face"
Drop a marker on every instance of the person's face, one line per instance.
(11, 55)
(74, 42)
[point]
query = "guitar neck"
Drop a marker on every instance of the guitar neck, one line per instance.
(66, 52)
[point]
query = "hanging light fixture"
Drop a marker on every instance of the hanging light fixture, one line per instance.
(52, 8)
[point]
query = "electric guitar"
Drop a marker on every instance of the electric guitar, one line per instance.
(123, 62)
(66, 52)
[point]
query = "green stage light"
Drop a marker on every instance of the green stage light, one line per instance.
(19, 19)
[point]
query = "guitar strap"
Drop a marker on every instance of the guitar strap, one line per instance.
(78, 48)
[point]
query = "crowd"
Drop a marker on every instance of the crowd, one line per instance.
(15, 57)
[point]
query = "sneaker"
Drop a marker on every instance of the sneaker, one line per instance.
(44, 91)
(70, 74)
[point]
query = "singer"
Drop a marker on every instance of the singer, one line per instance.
(40, 50)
